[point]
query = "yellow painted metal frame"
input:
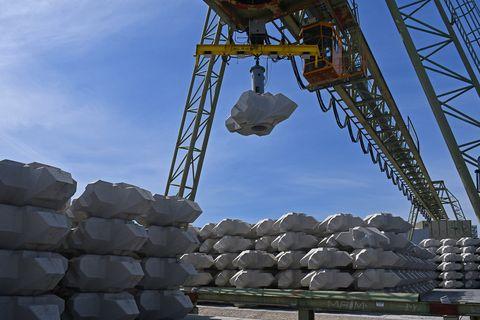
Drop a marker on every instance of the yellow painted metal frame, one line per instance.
(282, 50)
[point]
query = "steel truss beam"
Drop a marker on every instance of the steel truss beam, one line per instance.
(198, 114)
(449, 200)
(434, 61)
(370, 108)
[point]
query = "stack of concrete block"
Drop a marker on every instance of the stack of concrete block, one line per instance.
(168, 238)
(379, 256)
(102, 247)
(33, 225)
(457, 262)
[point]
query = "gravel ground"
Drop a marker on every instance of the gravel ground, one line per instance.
(233, 313)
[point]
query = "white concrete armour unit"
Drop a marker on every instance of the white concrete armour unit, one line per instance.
(360, 237)
(338, 223)
(332, 279)
(170, 211)
(265, 228)
(295, 222)
(290, 279)
(252, 279)
(207, 246)
(102, 306)
(222, 279)
(427, 243)
(224, 261)
(232, 244)
(259, 113)
(165, 242)
(30, 272)
(35, 184)
(294, 241)
(289, 259)
(31, 228)
(468, 241)
(45, 307)
(325, 258)
(199, 279)
(206, 232)
(388, 223)
(107, 236)
(265, 243)
(197, 260)
(375, 258)
(232, 227)
(112, 201)
(376, 279)
(103, 273)
(163, 305)
(252, 259)
(164, 273)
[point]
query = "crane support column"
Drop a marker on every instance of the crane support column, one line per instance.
(423, 59)
(198, 113)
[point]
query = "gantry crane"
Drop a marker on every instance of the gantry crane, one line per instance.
(338, 67)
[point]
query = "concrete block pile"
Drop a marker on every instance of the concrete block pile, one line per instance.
(296, 251)
(158, 295)
(33, 225)
(457, 262)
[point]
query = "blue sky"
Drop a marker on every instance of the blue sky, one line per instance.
(97, 88)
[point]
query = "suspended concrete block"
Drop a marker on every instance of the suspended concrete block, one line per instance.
(375, 258)
(165, 273)
(225, 261)
(388, 223)
(265, 243)
(376, 279)
(232, 227)
(259, 113)
(163, 305)
(30, 272)
(207, 246)
(170, 211)
(46, 307)
(294, 241)
(325, 258)
(222, 279)
(164, 242)
(328, 279)
(360, 237)
(295, 222)
(265, 227)
(103, 273)
(233, 244)
(112, 201)
(102, 306)
(252, 279)
(206, 232)
(338, 223)
(252, 259)
(198, 260)
(31, 228)
(35, 184)
(107, 236)
(199, 279)
(289, 259)
(290, 279)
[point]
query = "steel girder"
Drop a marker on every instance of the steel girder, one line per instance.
(198, 114)
(447, 88)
